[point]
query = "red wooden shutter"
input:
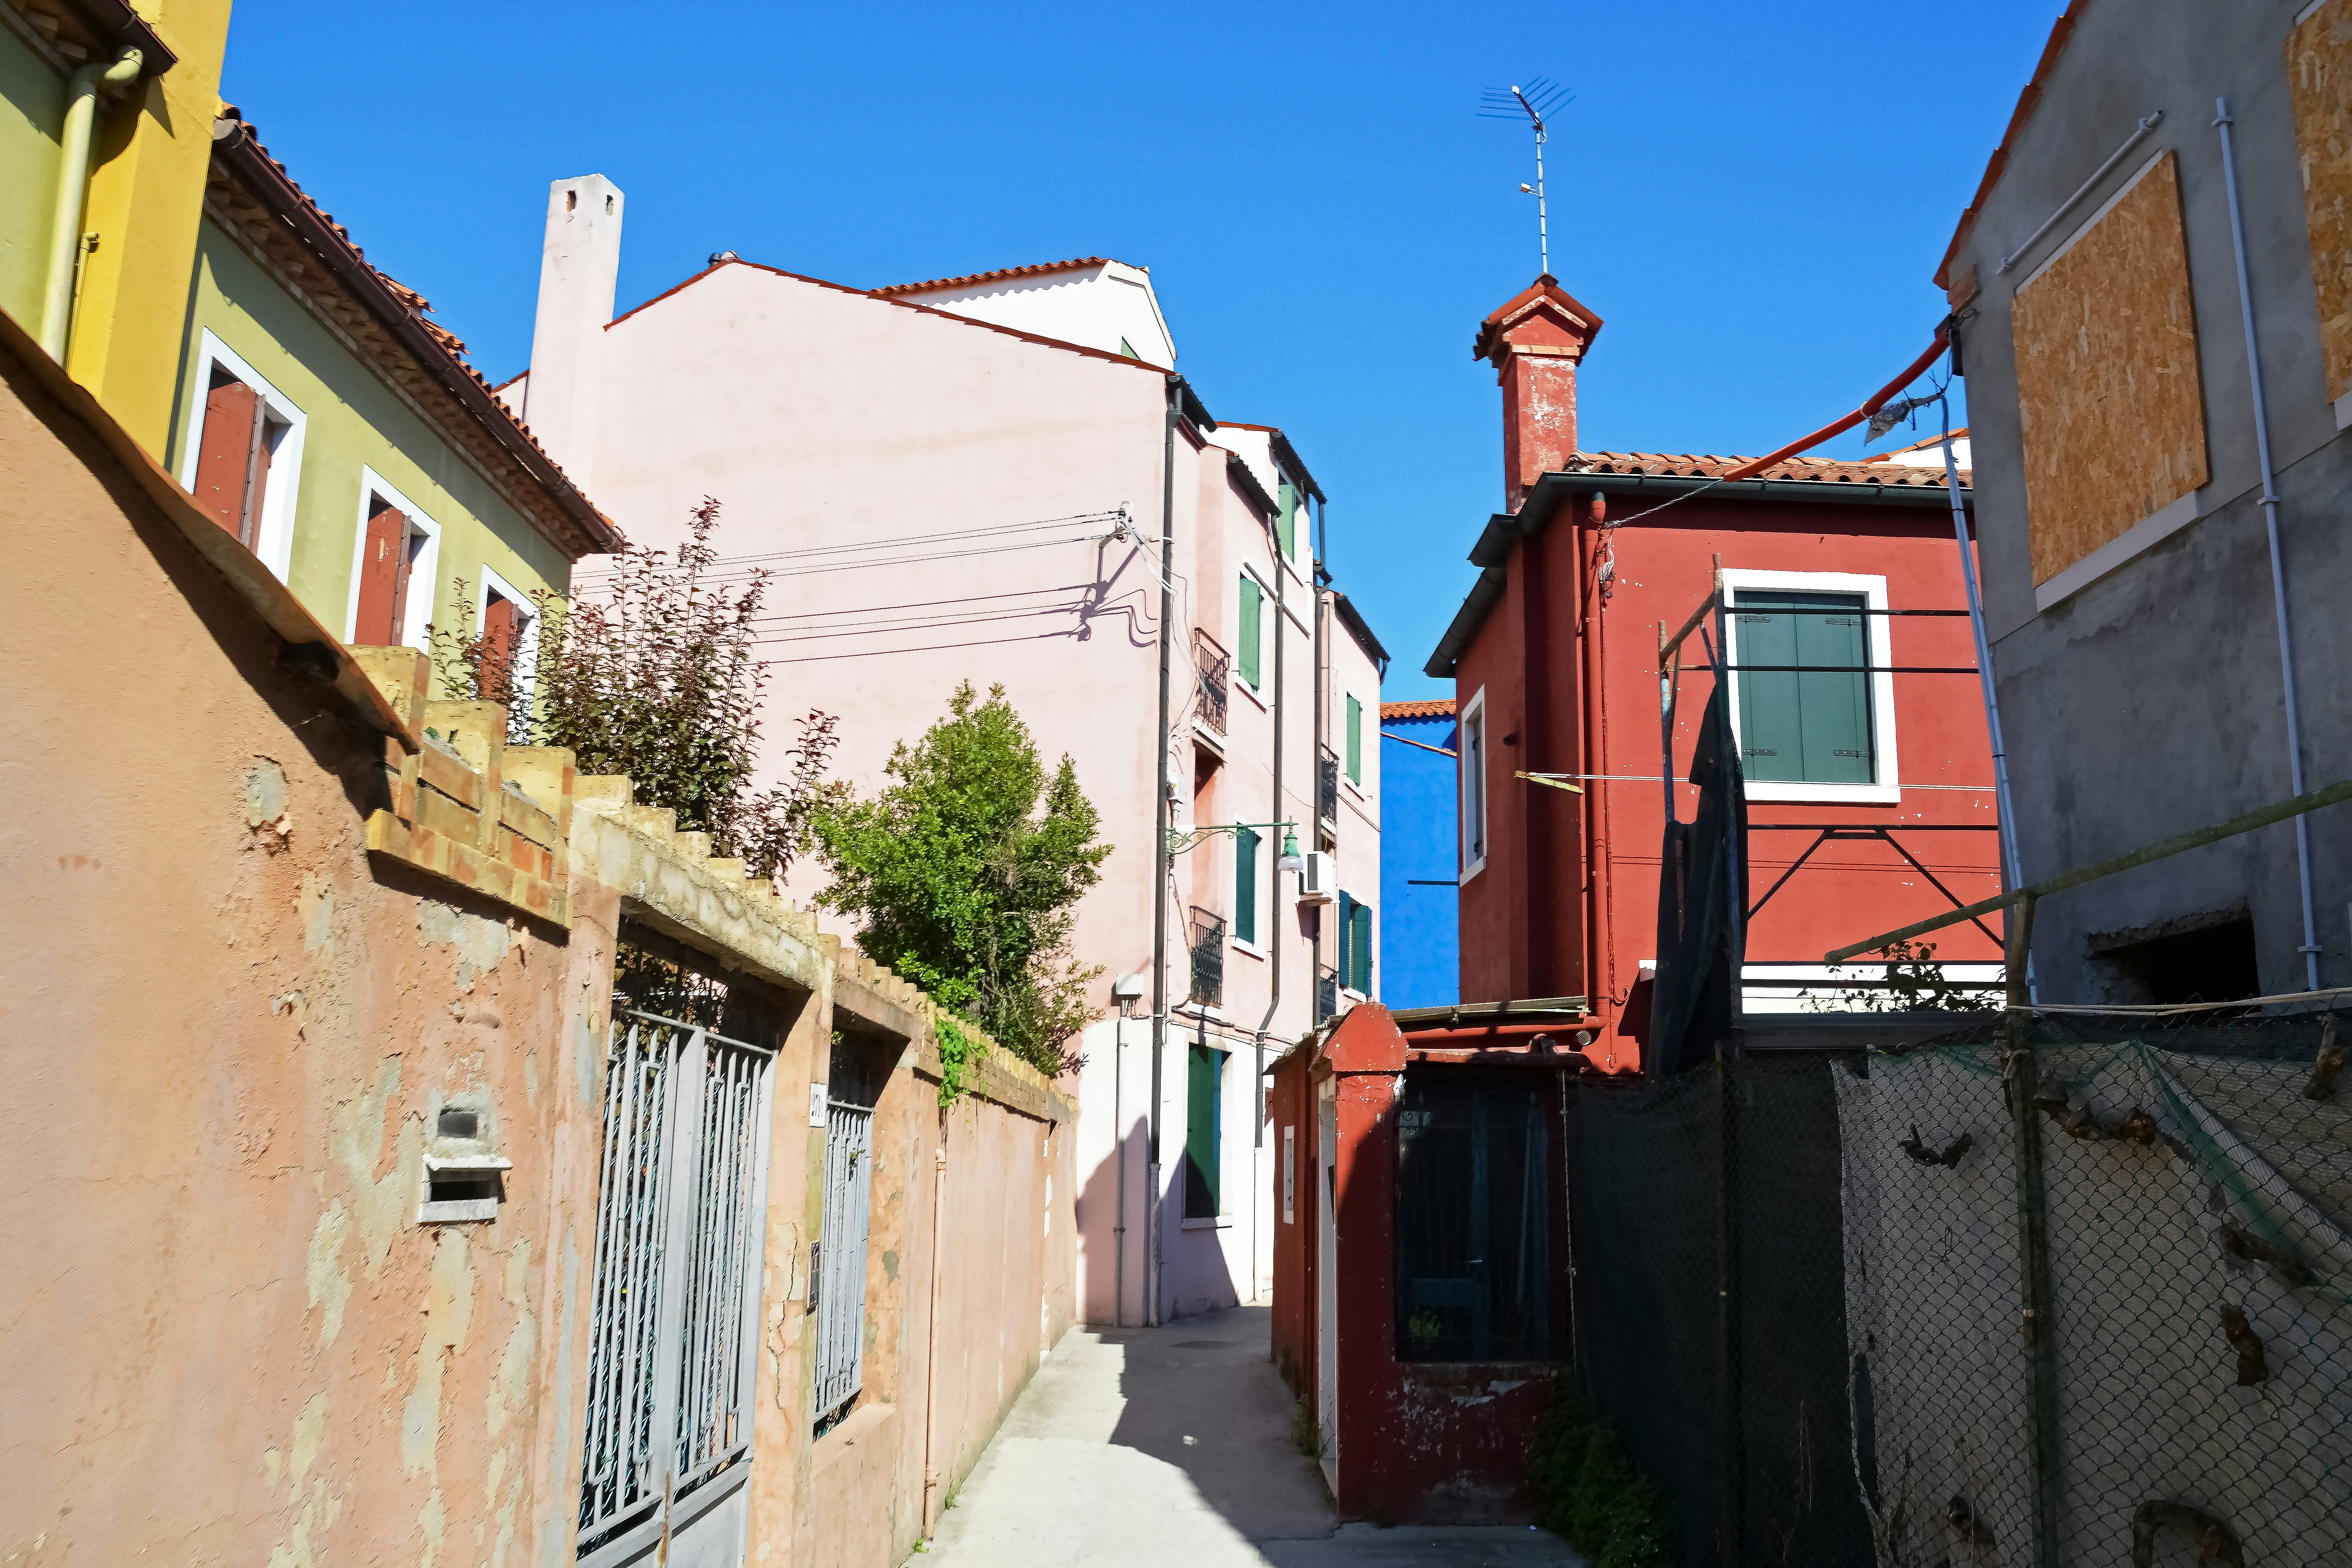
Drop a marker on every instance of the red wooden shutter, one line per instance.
(225, 453)
(500, 624)
(257, 482)
(384, 581)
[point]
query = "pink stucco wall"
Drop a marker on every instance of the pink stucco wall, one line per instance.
(822, 417)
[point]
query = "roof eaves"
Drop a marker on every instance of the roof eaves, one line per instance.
(236, 142)
(1237, 469)
(1557, 488)
(971, 280)
(2060, 32)
(1285, 453)
(1354, 621)
(884, 298)
(112, 23)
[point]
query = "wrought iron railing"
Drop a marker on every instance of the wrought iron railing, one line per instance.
(1327, 784)
(1208, 958)
(681, 1197)
(1216, 678)
(838, 1271)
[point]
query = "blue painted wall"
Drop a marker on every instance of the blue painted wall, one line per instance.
(1420, 931)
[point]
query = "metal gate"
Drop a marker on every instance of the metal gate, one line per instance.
(673, 1337)
(838, 1273)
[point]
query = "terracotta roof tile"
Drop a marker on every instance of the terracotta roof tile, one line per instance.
(1922, 445)
(969, 279)
(1435, 707)
(252, 192)
(1708, 466)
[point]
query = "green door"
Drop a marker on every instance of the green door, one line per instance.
(1811, 725)
(1203, 1133)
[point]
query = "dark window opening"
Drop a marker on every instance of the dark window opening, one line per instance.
(1473, 1223)
(2213, 961)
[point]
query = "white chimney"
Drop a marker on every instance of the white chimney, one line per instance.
(578, 270)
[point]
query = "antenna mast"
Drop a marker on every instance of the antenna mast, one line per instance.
(1534, 101)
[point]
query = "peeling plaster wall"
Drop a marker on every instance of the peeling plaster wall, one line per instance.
(227, 1338)
(993, 1233)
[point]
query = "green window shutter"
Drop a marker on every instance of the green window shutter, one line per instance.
(1246, 885)
(1803, 726)
(1253, 597)
(1204, 1134)
(1285, 519)
(1342, 966)
(1361, 949)
(1355, 741)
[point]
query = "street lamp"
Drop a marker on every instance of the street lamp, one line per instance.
(1290, 860)
(1180, 840)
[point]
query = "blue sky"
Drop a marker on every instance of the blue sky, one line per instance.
(1752, 197)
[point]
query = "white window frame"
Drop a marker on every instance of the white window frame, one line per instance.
(526, 644)
(424, 568)
(1467, 764)
(1290, 1174)
(1888, 791)
(273, 544)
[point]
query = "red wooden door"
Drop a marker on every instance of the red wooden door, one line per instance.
(384, 581)
(224, 457)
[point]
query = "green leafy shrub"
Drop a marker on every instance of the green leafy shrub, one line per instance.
(966, 869)
(1587, 1491)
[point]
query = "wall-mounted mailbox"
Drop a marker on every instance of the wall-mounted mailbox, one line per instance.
(464, 1178)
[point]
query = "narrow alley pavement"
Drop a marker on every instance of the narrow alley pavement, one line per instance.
(1143, 1446)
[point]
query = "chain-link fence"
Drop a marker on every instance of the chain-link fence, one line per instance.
(2074, 1293)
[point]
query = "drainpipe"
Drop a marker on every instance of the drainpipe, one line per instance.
(74, 137)
(2222, 122)
(931, 1356)
(2013, 874)
(1274, 937)
(1318, 574)
(1601, 958)
(1162, 864)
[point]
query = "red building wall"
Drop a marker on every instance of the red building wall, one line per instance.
(1567, 903)
(1419, 1442)
(1546, 644)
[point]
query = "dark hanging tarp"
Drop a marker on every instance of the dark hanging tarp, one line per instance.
(1690, 1006)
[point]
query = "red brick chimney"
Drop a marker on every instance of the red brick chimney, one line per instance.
(1535, 343)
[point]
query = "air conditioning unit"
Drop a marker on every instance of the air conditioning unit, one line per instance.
(1318, 878)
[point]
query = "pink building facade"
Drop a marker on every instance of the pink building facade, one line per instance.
(944, 498)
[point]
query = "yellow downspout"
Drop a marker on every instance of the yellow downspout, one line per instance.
(73, 174)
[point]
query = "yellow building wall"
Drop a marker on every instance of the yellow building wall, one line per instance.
(351, 420)
(146, 197)
(32, 105)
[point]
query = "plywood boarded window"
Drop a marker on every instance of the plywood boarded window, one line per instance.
(2319, 77)
(2108, 389)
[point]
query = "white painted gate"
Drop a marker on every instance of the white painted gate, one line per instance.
(674, 1310)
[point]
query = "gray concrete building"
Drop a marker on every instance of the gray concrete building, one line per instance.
(2129, 559)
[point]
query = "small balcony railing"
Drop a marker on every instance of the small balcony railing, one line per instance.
(1327, 993)
(1216, 678)
(1208, 942)
(1327, 784)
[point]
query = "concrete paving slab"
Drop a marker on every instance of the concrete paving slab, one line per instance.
(1171, 1446)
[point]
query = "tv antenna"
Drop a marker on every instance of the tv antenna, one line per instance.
(1531, 103)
